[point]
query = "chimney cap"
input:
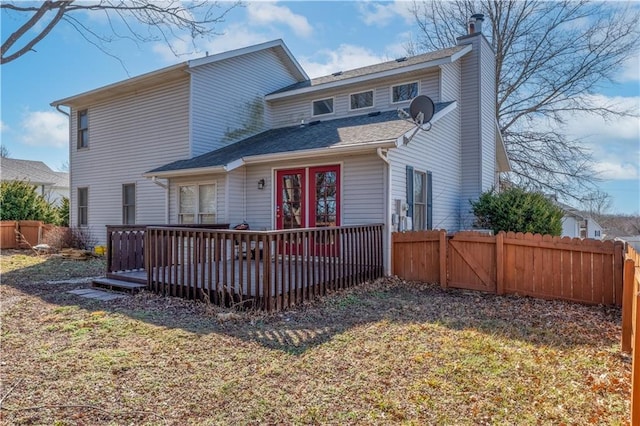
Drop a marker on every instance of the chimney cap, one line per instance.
(477, 16)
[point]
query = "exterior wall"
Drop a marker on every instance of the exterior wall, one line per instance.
(290, 111)
(487, 114)
(437, 151)
(128, 136)
(477, 105)
(362, 197)
(570, 227)
(228, 98)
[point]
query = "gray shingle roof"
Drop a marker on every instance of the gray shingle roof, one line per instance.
(35, 172)
(373, 69)
(361, 129)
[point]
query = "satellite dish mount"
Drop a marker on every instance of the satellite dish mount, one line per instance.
(421, 110)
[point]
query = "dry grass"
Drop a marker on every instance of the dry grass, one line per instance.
(385, 353)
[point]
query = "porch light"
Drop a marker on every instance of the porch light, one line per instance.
(261, 184)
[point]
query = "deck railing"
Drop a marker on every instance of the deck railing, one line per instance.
(268, 270)
(125, 246)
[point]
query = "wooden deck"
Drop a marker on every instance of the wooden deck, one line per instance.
(257, 269)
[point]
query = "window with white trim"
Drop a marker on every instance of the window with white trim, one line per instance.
(322, 107)
(129, 204)
(83, 129)
(83, 206)
(197, 203)
(404, 92)
(420, 198)
(361, 100)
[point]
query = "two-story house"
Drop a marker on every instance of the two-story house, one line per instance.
(246, 135)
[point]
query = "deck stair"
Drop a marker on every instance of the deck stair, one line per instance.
(117, 285)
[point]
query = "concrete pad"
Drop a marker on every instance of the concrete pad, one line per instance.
(91, 293)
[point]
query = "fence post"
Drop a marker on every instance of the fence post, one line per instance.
(443, 259)
(635, 374)
(500, 263)
(627, 305)
(618, 260)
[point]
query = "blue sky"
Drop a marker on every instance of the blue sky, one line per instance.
(324, 36)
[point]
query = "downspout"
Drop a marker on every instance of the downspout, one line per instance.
(154, 179)
(386, 241)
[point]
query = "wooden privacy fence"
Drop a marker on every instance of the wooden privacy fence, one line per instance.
(631, 325)
(269, 270)
(584, 271)
(22, 233)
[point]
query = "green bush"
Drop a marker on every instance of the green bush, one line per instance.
(518, 211)
(20, 201)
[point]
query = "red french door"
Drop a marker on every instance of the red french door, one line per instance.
(324, 211)
(290, 204)
(314, 204)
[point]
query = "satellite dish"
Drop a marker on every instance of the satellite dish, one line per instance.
(421, 109)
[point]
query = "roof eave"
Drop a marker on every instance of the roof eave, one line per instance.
(301, 75)
(502, 158)
(373, 76)
(121, 87)
(167, 174)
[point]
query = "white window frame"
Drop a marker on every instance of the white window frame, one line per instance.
(82, 208)
(81, 130)
(417, 83)
(420, 226)
(373, 99)
(197, 214)
(125, 206)
(333, 106)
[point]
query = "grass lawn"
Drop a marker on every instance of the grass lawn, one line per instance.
(386, 352)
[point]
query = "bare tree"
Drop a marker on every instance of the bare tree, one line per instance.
(4, 152)
(550, 57)
(597, 203)
(161, 21)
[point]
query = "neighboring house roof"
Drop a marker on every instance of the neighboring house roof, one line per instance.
(36, 172)
(180, 70)
(362, 131)
(385, 69)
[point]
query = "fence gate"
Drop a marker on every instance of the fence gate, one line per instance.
(471, 261)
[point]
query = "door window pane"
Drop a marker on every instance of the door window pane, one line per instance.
(292, 201)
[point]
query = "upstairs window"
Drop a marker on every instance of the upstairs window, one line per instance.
(404, 92)
(129, 204)
(83, 129)
(323, 106)
(361, 100)
(83, 206)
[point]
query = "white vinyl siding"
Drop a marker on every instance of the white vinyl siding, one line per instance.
(437, 151)
(227, 98)
(130, 135)
(291, 111)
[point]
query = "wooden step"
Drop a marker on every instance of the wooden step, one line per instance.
(117, 285)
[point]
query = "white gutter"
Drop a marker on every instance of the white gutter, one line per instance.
(185, 172)
(373, 76)
(386, 242)
(319, 152)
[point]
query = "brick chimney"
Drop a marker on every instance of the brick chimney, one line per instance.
(475, 23)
